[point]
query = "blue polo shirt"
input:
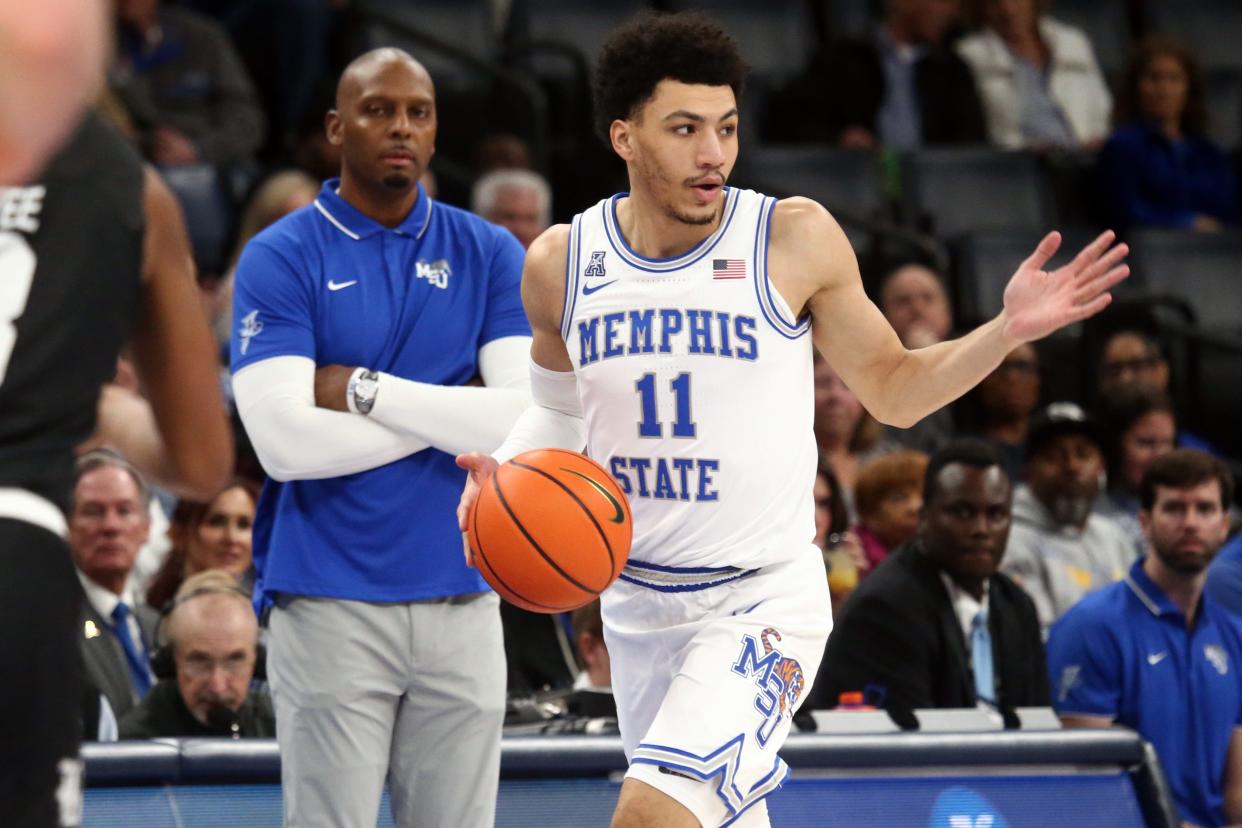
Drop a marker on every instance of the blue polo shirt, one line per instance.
(1124, 651)
(416, 301)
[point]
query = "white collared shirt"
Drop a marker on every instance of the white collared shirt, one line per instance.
(964, 605)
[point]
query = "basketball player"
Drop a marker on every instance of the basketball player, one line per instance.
(91, 252)
(673, 331)
(52, 56)
(359, 320)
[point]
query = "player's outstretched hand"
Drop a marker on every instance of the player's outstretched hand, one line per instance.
(1038, 302)
(481, 467)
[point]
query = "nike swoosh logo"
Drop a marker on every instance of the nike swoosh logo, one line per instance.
(619, 517)
(587, 290)
(340, 285)
(1155, 658)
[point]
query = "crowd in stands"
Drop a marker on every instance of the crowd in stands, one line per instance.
(227, 103)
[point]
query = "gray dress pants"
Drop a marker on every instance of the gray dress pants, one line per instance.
(410, 694)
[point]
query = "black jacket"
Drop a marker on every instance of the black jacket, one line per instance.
(844, 86)
(163, 714)
(898, 634)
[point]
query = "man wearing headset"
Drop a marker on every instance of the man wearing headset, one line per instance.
(212, 638)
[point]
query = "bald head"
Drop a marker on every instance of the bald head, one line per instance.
(366, 67)
(220, 613)
(385, 126)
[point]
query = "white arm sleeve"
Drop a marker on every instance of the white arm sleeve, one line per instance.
(294, 440)
(461, 418)
(554, 421)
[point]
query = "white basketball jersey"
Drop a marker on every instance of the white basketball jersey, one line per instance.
(696, 384)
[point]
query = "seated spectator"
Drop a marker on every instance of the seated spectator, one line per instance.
(1038, 78)
(889, 497)
(108, 523)
(1058, 549)
(185, 87)
(1157, 655)
(279, 195)
(1139, 426)
(592, 696)
(936, 625)
(214, 535)
(901, 87)
(1131, 357)
(287, 44)
(1159, 168)
(312, 152)
(518, 200)
(213, 639)
(914, 301)
(1124, 349)
(845, 433)
(843, 554)
(999, 409)
(502, 151)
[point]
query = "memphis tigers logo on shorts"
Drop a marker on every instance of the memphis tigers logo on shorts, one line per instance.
(780, 680)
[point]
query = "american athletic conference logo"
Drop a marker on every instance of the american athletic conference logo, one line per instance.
(595, 267)
(780, 680)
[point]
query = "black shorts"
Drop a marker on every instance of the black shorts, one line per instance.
(41, 688)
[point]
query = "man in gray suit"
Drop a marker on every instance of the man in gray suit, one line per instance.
(108, 524)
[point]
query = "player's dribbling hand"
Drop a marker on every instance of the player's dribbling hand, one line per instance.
(480, 468)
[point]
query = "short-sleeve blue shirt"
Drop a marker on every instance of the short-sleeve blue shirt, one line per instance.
(1124, 651)
(415, 301)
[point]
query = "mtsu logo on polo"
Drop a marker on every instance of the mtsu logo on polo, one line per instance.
(437, 272)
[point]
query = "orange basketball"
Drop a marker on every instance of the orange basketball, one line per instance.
(550, 530)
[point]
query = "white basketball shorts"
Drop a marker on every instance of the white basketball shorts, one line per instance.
(708, 667)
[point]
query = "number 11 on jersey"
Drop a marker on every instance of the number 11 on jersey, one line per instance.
(650, 425)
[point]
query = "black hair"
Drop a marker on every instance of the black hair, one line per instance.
(1117, 413)
(687, 46)
(969, 452)
(838, 516)
(1182, 469)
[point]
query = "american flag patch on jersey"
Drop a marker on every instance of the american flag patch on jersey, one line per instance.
(728, 268)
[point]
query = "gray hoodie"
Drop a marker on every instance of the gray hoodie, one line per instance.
(1058, 564)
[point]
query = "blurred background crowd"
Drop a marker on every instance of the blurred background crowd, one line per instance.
(945, 135)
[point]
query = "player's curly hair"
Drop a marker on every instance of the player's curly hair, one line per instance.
(687, 46)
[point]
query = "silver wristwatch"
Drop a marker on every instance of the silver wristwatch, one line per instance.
(361, 391)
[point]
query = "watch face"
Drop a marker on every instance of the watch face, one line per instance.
(365, 388)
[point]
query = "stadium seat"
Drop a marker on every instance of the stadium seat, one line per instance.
(578, 29)
(466, 25)
(1211, 28)
(851, 18)
(1106, 24)
(1224, 103)
(952, 192)
(209, 211)
(985, 261)
(776, 36)
(844, 180)
(1205, 269)
(848, 183)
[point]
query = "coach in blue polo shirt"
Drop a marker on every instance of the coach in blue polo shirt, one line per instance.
(1154, 653)
(360, 324)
